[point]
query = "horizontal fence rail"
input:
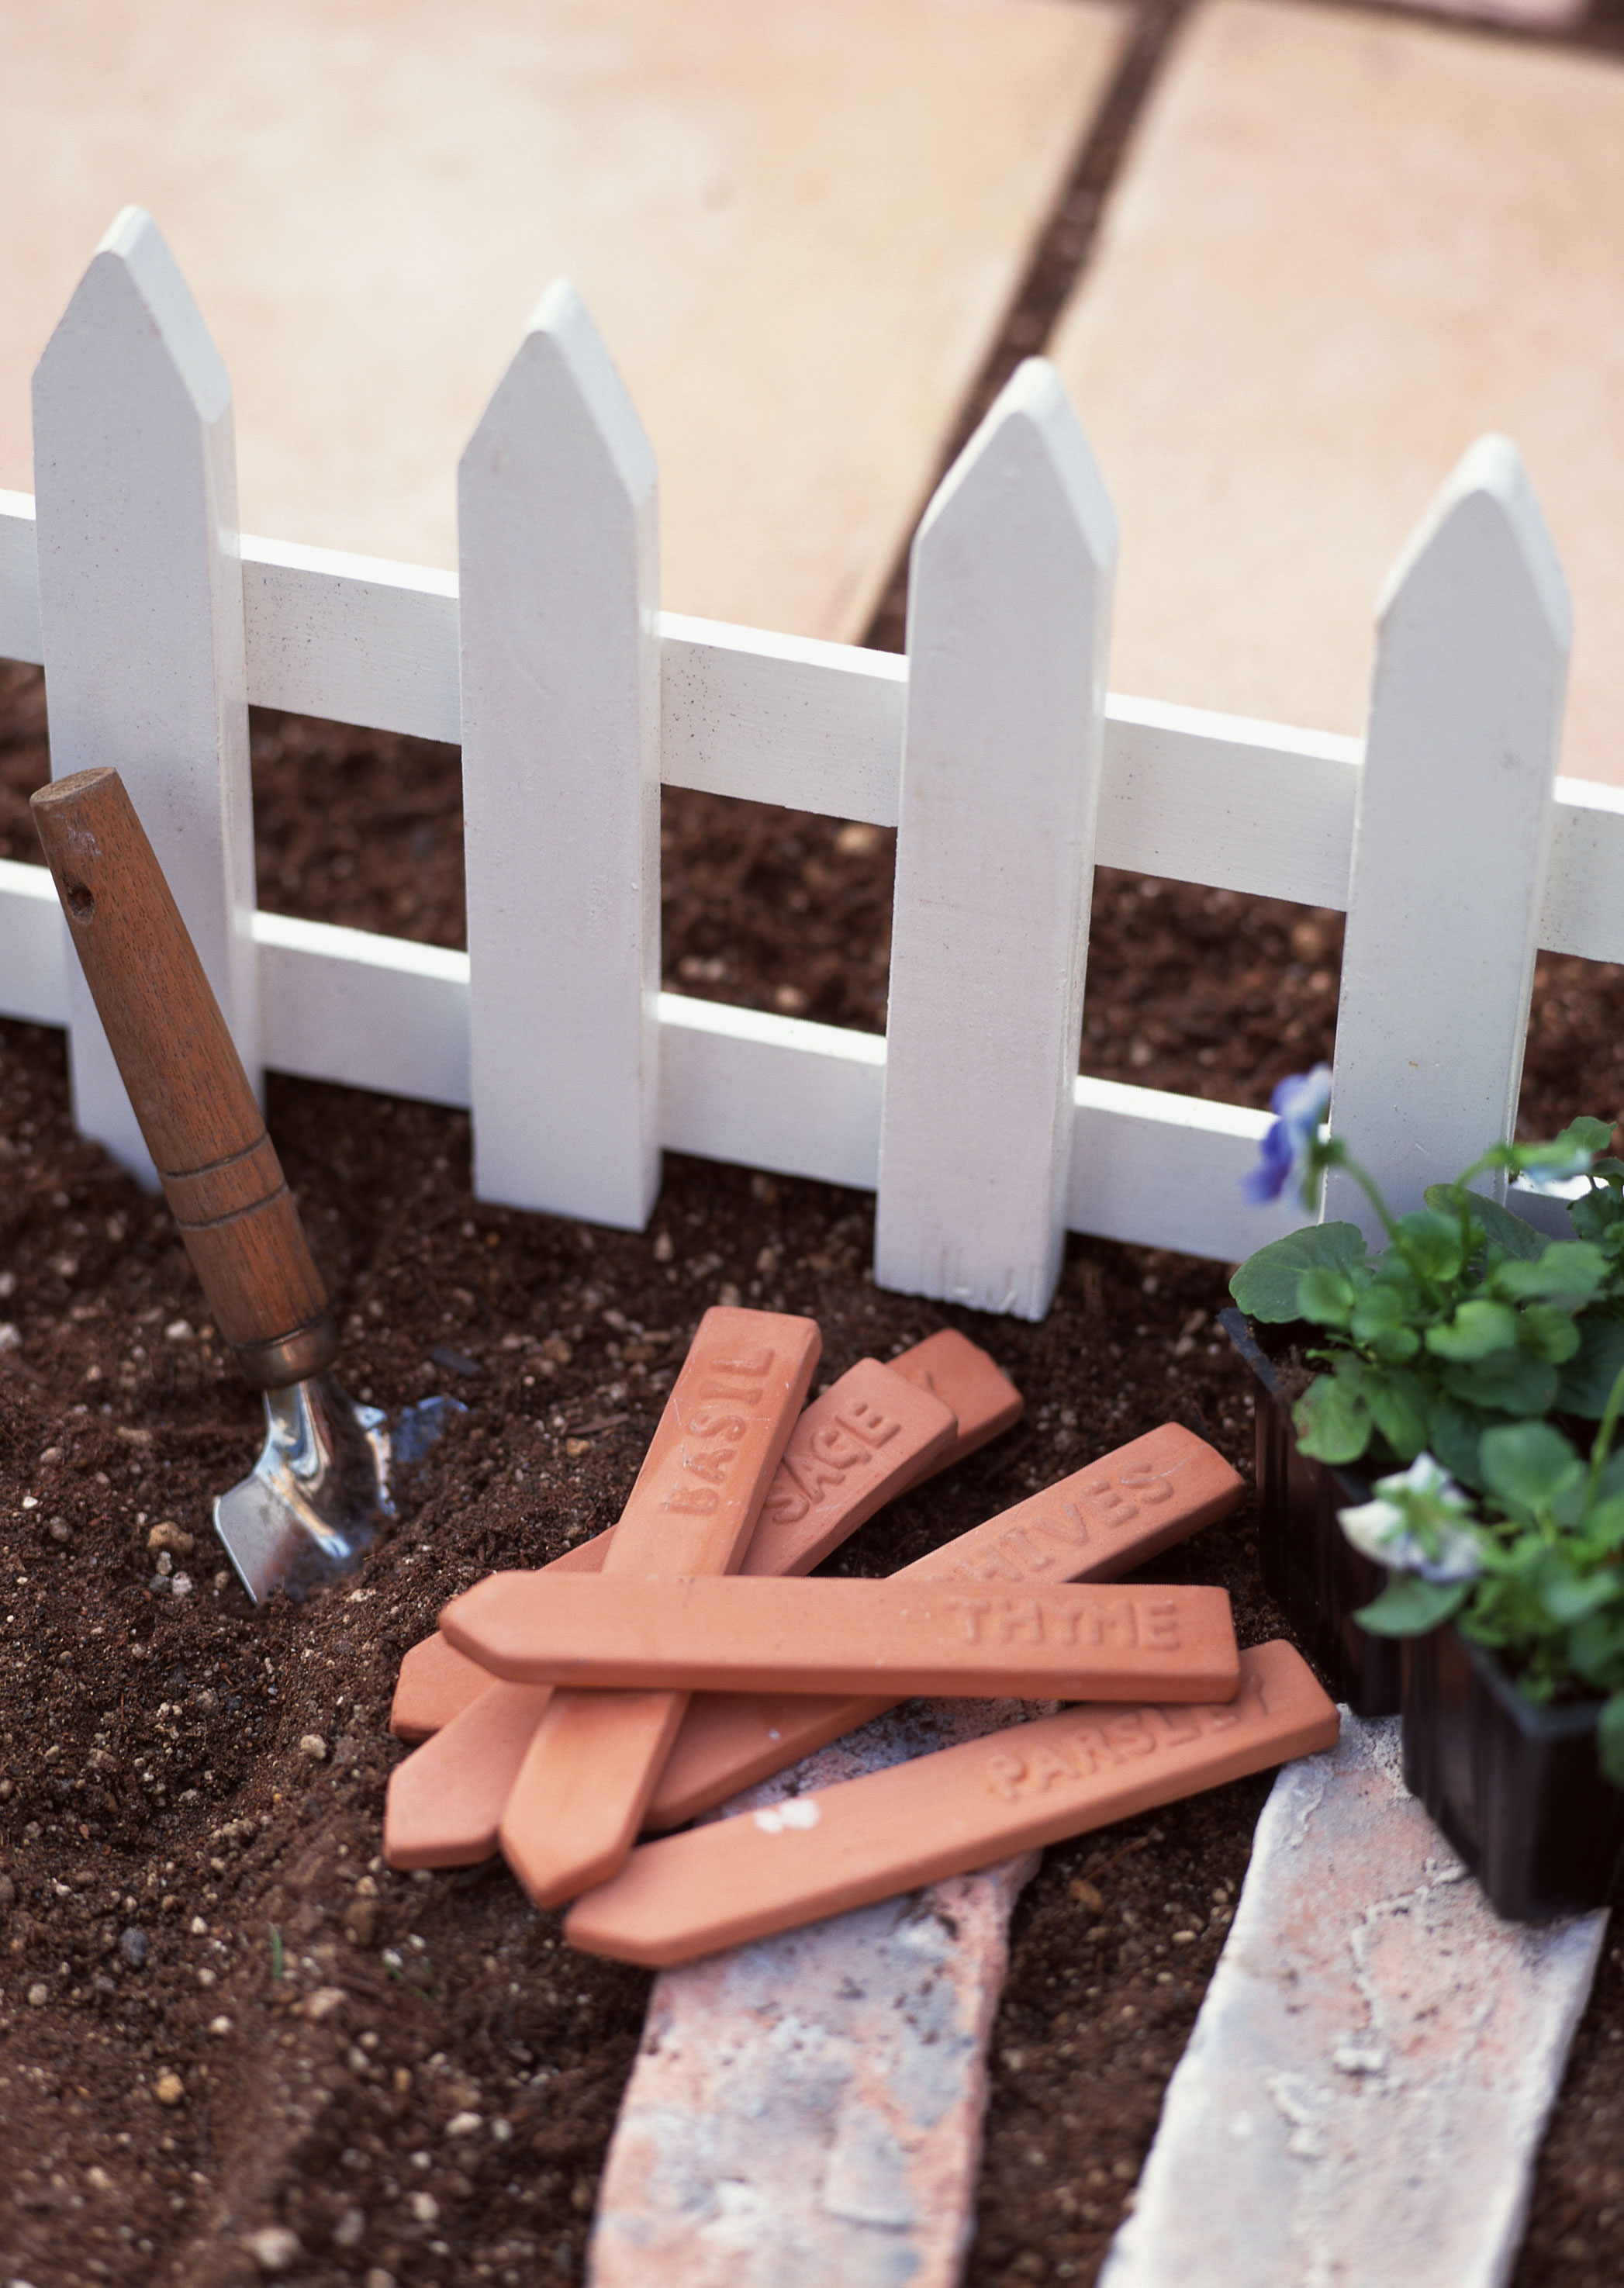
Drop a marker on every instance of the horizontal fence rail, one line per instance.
(1186, 794)
(1006, 768)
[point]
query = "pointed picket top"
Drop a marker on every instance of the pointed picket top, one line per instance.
(132, 278)
(1008, 623)
(1030, 447)
(1450, 838)
(558, 548)
(562, 375)
(141, 612)
(1485, 511)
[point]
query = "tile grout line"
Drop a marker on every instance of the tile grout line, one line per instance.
(1057, 260)
(1068, 239)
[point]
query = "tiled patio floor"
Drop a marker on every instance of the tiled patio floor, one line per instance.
(1343, 246)
(797, 225)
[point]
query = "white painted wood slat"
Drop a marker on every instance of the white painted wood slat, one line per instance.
(560, 682)
(1263, 808)
(366, 640)
(140, 598)
(34, 949)
(1009, 629)
(1450, 845)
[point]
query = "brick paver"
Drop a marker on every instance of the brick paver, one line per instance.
(808, 2110)
(1368, 2080)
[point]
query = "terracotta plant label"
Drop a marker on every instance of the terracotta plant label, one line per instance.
(907, 1634)
(868, 1838)
(586, 1778)
(950, 1372)
(851, 1448)
(1098, 1524)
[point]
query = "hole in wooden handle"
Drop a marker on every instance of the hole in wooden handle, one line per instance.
(81, 899)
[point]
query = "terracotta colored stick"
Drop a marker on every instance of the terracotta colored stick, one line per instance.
(849, 1452)
(435, 1683)
(1098, 1524)
(591, 1766)
(944, 1815)
(907, 1636)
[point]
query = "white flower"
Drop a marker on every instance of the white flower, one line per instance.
(1420, 1522)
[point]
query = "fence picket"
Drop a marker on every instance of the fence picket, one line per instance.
(140, 595)
(1008, 621)
(560, 683)
(1451, 838)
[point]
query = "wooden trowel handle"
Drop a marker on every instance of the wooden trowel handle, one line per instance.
(219, 1169)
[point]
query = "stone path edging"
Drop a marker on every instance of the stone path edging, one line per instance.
(1362, 2100)
(808, 2109)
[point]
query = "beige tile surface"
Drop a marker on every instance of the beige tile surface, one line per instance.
(796, 224)
(1342, 248)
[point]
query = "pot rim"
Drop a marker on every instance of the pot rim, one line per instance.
(1536, 1720)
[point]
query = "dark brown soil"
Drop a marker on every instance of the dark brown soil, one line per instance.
(153, 1780)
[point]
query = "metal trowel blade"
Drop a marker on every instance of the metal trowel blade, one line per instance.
(321, 1488)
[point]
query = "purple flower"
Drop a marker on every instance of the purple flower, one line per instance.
(1300, 1103)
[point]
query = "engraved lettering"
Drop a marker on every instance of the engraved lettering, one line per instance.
(1109, 1503)
(1006, 1774)
(1090, 1748)
(692, 1501)
(813, 1477)
(1113, 1624)
(1162, 1624)
(838, 1447)
(1046, 1766)
(1023, 1620)
(861, 1420)
(1220, 1719)
(1129, 1733)
(705, 1422)
(972, 1609)
(784, 1505)
(752, 1368)
(711, 1466)
(983, 1564)
(712, 1392)
(1150, 1486)
(1181, 1725)
(1016, 1541)
(1069, 1526)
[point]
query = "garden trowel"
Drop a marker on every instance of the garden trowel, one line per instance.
(321, 1486)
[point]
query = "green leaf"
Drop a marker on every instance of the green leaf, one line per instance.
(1511, 1382)
(1380, 1321)
(1493, 1221)
(1548, 1332)
(1609, 1740)
(1398, 1403)
(1585, 1135)
(1326, 1297)
(1591, 1372)
(1571, 1268)
(1408, 1607)
(1604, 1525)
(1478, 1331)
(1332, 1420)
(1525, 1465)
(1596, 1214)
(1454, 1435)
(1432, 1242)
(1265, 1285)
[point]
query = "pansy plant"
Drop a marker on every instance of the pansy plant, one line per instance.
(1466, 1322)
(1532, 1573)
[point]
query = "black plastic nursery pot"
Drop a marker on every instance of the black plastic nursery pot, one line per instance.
(1515, 1786)
(1308, 1566)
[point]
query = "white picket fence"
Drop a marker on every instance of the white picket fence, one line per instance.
(995, 748)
